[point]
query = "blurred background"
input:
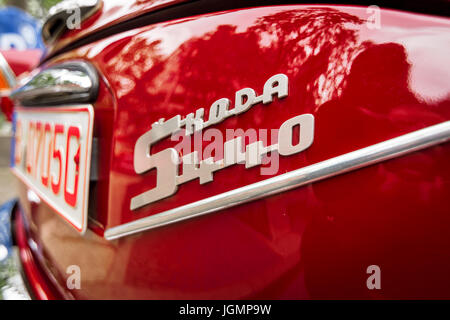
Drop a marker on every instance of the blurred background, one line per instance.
(21, 49)
(36, 8)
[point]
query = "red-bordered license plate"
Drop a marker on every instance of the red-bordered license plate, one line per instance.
(52, 155)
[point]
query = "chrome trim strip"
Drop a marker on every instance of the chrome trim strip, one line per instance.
(376, 153)
(69, 82)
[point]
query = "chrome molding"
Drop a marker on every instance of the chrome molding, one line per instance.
(70, 82)
(5, 69)
(386, 150)
(57, 20)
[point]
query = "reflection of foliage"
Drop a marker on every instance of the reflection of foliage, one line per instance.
(302, 38)
(313, 46)
(59, 77)
(133, 66)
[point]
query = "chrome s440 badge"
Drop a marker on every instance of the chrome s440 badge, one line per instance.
(167, 161)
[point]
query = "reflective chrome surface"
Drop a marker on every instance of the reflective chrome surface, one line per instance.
(72, 82)
(166, 162)
(389, 149)
(57, 21)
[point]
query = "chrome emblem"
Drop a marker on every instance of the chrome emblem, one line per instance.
(167, 161)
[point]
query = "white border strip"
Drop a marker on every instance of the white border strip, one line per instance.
(388, 149)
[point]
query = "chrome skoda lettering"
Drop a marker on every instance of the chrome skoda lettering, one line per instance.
(168, 160)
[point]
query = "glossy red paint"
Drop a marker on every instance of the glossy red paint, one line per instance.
(363, 86)
(38, 283)
(7, 107)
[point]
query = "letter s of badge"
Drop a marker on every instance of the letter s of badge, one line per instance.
(165, 162)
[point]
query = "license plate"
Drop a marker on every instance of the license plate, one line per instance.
(51, 153)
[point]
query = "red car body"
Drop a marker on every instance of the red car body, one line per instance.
(363, 85)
